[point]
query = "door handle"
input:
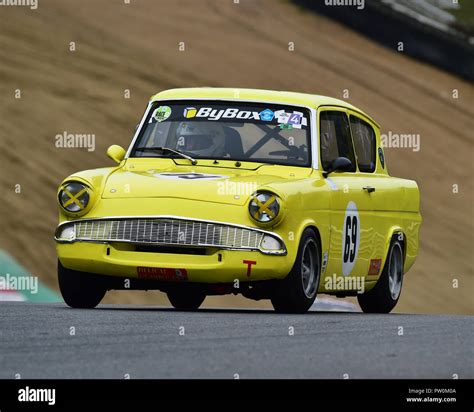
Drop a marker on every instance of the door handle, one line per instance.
(369, 189)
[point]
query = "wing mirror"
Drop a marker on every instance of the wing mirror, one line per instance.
(116, 153)
(340, 164)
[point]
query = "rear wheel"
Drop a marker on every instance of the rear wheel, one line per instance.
(80, 289)
(184, 298)
(384, 296)
(297, 292)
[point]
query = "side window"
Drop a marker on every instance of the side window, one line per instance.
(364, 142)
(335, 138)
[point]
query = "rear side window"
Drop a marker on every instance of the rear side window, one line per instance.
(365, 144)
(335, 138)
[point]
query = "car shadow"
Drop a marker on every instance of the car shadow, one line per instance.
(215, 310)
(250, 311)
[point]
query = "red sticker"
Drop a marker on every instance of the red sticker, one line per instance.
(249, 264)
(374, 267)
(165, 274)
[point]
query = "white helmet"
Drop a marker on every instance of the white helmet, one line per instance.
(201, 138)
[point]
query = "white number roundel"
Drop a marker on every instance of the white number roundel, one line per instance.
(350, 238)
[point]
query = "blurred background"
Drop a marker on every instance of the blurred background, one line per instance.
(89, 67)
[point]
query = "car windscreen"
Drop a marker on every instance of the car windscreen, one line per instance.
(264, 133)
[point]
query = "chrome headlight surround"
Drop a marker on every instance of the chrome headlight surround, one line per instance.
(265, 208)
(75, 197)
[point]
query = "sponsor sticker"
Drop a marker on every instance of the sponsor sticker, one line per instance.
(284, 126)
(165, 274)
(217, 114)
(282, 116)
(290, 120)
(249, 264)
(266, 115)
(324, 263)
(162, 113)
(374, 268)
(190, 112)
(295, 119)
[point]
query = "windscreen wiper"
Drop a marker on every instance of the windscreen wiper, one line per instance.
(166, 149)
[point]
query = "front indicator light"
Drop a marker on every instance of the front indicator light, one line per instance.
(271, 244)
(67, 233)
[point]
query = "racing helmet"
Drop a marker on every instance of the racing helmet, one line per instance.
(201, 138)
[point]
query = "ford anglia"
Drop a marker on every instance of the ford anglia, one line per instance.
(272, 195)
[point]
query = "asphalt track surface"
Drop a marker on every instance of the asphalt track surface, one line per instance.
(37, 341)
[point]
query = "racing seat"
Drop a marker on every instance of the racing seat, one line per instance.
(233, 143)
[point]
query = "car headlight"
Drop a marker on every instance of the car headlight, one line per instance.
(74, 197)
(264, 207)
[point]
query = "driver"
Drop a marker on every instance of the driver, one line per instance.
(202, 139)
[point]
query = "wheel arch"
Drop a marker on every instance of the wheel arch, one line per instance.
(317, 233)
(321, 232)
(399, 234)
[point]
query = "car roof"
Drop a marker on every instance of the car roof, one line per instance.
(257, 95)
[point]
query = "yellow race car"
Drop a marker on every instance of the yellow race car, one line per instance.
(274, 195)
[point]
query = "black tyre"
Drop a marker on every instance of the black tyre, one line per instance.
(297, 292)
(184, 298)
(384, 296)
(80, 289)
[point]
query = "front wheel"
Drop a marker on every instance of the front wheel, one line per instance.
(80, 289)
(188, 299)
(384, 296)
(297, 292)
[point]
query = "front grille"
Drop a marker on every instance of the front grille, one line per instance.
(167, 231)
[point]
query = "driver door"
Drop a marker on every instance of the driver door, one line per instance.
(350, 206)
